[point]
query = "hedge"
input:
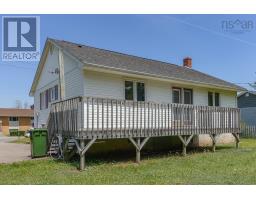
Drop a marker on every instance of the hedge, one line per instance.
(16, 132)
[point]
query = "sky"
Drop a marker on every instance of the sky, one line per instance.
(228, 54)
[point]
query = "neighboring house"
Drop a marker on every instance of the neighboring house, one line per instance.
(12, 118)
(247, 104)
(69, 70)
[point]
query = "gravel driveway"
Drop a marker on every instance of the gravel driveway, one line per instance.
(11, 152)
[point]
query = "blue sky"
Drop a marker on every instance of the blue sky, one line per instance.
(227, 55)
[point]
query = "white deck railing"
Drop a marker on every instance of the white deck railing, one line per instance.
(102, 117)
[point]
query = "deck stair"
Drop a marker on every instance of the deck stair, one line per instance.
(59, 150)
(55, 148)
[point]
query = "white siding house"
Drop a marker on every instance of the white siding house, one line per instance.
(84, 78)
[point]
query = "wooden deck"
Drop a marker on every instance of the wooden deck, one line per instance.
(87, 118)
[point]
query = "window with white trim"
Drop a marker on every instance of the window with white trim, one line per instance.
(128, 90)
(134, 90)
(213, 99)
(182, 95)
(13, 122)
(176, 95)
(188, 96)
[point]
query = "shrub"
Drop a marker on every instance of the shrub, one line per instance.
(16, 132)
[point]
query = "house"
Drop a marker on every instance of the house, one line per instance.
(68, 70)
(13, 118)
(247, 104)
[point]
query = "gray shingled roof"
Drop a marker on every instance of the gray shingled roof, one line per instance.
(124, 62)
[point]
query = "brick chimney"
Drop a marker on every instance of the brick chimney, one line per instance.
(187, 62)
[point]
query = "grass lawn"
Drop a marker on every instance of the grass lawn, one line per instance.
(22, 140)
(226, 166)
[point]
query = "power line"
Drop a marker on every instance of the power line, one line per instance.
(212, 31)
(242, 83)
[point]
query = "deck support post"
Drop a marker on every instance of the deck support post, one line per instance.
(214, 141)
(185, 141)
(138, 146)
(184, 147)
(82, 156)
(236, 136)
(82, 148)
(138, 151)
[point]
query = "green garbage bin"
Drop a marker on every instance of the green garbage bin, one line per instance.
(39, 143)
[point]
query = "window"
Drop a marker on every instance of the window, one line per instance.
(53, 93)
(188, 96)
(217, 99)
(176, 95)
(56, 92)
(213, 99)
(42, 100)
(13, 119)
(134, 91)
(32, 121)
(180, 95)
(128, 90)
(140, 91)
(13, 122)
(41, 106)
(48, 96)
(210, 99)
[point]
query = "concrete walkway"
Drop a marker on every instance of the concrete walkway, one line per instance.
(11, 152)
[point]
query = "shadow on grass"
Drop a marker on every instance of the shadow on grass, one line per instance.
(129, 156)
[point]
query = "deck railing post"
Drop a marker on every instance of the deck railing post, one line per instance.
(82, 114)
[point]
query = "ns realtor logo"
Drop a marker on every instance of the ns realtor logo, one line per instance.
(237, 26)
(20, 38)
